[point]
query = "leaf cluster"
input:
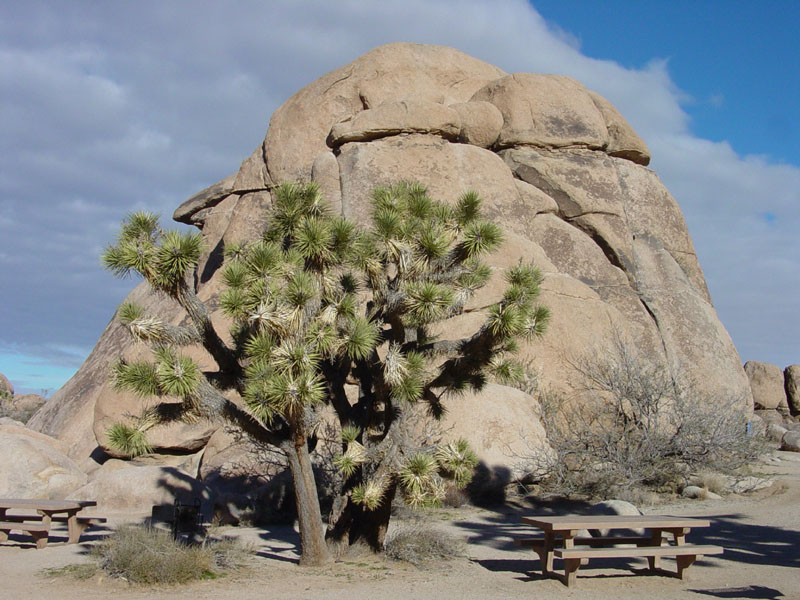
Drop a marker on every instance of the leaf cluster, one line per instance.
(164, 259)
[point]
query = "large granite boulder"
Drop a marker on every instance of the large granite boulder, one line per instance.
(767, 384)
(136, 489)
(559, 169)
(35, 465)
(503, 426)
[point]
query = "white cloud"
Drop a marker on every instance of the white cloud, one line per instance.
(135, 105)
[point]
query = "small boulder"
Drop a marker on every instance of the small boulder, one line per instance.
(481, 123)
(766, 382)
(692, 491)
(791, 441)
(791, 378)
(775, 432)
(615, 507)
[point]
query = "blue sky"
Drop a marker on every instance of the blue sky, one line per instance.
(112, 107)
(737, 61)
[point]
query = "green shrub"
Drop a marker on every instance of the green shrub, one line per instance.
(146, 555)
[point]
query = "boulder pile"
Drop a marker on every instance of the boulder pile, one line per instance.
(558, 168)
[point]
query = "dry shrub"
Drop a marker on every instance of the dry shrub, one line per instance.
(7, 409)
(711, 481)
(150, 556)
(420, 543)
(637, 425)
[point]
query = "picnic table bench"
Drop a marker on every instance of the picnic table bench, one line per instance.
(46, 512)
(561, 540)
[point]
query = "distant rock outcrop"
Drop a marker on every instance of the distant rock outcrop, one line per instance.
(6, 389)
(559, 169)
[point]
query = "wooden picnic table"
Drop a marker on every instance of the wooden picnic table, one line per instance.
(38, 525)
(561, 537)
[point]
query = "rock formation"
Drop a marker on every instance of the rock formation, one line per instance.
(559, 169)
(6, 389)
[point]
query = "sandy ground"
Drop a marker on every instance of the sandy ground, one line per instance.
(760, 533)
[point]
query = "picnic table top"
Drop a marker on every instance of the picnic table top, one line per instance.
(44, 504)
(568, 522)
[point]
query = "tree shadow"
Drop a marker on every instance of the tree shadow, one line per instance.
(751, 591)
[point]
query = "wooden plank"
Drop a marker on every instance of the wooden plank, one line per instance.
(17, 526)
(42, 504)
(54, 518)
(549, 523)
(686, 549)
(588, 541)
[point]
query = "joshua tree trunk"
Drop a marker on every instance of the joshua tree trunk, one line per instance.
(312, 534)
(351, 523)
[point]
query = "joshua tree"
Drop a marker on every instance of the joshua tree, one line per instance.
(326, 314)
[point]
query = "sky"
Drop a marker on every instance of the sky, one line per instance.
(109, 107)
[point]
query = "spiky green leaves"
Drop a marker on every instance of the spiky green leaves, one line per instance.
(424, 477)
(139, 377)
(171, 375)
(348, 462)
(129, 312)
(360, 338)
(128, 440)
(163, 258)
(468, 208)
(369, 495)
(404, 373)
(427, 302)
(480, 237)
(177, 255)
(420, 481)
(458, 461)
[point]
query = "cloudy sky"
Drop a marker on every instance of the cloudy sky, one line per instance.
(108, 107)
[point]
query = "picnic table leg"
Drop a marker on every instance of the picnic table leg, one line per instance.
(684, 562)
(545, 553)
(571, 566)
(654, 562)
(74, 527)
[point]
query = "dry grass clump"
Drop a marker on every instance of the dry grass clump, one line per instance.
(419, 544)
(150, 556)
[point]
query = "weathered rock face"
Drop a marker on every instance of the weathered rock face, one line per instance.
(767, 384)
(559, 169)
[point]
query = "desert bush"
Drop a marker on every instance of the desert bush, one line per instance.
(419, 544)
(636, 424)
(148, 556)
